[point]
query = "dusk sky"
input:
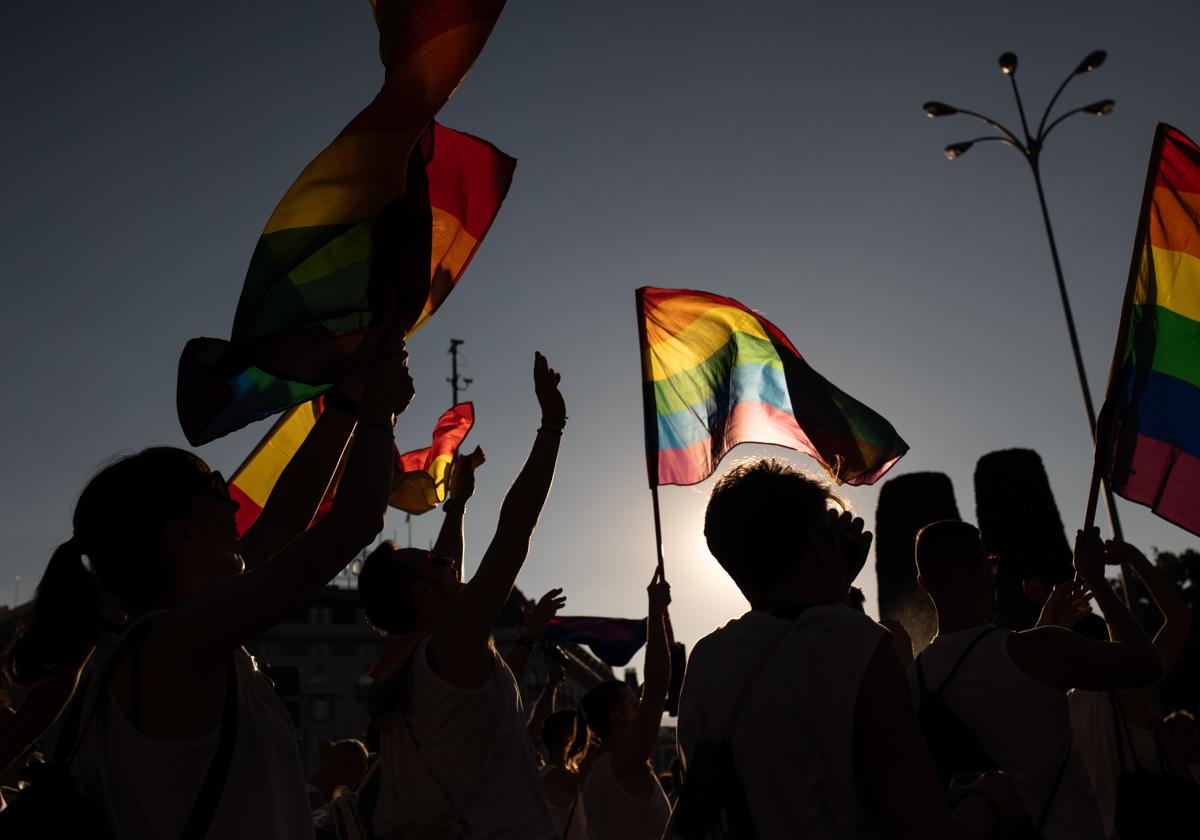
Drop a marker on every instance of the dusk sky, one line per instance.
(773, 152)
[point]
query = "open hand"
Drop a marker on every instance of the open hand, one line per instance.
(1122, 553)
(545, 385)
(547, 606)
(1065, 606)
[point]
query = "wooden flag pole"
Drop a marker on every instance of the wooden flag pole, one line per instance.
(1140, 241)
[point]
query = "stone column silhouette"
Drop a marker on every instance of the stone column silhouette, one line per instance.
(1019, 522)
(907, 504)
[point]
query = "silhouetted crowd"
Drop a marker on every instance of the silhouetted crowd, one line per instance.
(145, 717)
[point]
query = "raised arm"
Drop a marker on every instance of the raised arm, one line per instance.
(221, 617)
(462, 487)
(1171, 638)
(459, 648)
(518, 655)
(43, 704)
(543, 706)
(1067, 660)
(635, 748)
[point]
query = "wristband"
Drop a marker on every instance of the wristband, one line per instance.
(336, 399)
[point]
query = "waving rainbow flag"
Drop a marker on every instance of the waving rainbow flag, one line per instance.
(1149, 429)
(388, 216)
(418, 482)
(716, 374)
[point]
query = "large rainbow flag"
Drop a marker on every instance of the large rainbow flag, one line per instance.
(388, 216)
(418, 482)
(1149, 429)
(716, 374)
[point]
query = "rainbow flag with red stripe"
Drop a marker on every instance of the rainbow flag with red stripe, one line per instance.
(419, 482)
(716, 374)
(388, 216)
(1149, 428)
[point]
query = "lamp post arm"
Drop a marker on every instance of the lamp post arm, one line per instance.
(1020, 108)
(1050, 127)
(1015, 140)
(1046, 114)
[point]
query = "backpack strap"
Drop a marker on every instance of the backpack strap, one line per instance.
(958, 663)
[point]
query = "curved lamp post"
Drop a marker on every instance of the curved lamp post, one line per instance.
(1030, 146)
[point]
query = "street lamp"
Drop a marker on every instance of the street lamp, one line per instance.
(1030, 146)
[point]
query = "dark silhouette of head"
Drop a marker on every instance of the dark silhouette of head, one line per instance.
(610, 709)
(760, 524)
(148, 530)
(406, 589)
(342, 765)
(955, 570)
(561, 735)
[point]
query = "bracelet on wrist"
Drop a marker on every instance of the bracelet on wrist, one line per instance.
(336, 399)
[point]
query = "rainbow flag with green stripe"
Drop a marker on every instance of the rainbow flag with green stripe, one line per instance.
(387, 217)
(716, 374)
(1149, 429)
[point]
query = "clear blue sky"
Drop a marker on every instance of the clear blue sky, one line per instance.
(774, 152)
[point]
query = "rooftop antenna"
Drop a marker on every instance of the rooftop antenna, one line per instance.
(457, 383)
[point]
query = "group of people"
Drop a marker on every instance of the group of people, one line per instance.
(802, 718)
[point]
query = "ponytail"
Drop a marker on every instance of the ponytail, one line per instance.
(65, 619)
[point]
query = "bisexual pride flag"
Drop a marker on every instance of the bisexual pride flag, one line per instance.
(614, 641)
(1148, 436)
(384, 220)
(715, 374)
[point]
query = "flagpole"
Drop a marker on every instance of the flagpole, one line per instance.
(657, 529)
(650, 421)
(1135, 267)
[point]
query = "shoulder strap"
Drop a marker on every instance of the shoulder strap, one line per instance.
(753, 678)
(571, 816)
(214, 781)
(961, 659)
(77, 722)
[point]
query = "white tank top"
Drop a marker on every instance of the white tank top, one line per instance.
(615, 813)
(148, 787)
(1022, 724)
(794, 742)
(570, 821)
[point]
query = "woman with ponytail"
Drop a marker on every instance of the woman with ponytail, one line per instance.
(156, 565)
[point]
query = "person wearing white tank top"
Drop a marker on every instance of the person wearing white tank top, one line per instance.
(809, 692)
(160, 535)
(1007, 689)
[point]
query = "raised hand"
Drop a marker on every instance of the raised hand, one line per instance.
(388, 383)
(545, 385)
(1089, 557)
(1065, 606)
(1122, 553)
(462, 477)
(658, 594)
(547, 607)
(854, 540)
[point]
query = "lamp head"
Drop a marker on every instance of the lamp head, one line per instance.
(1093, 60)
(939, 109)
(1101, 109)
(956, 150)
(1008, 64)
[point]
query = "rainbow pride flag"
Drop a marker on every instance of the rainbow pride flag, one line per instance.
(1149, 429)
(388, 215)
(418, 483)
(716, 374)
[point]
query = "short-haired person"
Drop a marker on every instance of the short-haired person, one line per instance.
(1008, 689)
(622, 794)
(456, 756)
(825, 743)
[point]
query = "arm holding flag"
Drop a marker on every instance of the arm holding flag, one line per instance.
(459, 648)
(635, 748)
(462, 487)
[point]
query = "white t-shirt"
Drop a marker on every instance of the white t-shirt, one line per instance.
(1022, 724)
(570, 821)
(615, 813)
(794, 741)
(148, 787)
(1092, 722)
(469, 748)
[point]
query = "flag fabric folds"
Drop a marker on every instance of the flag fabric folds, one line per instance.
(388, 216)
(1149, 429)
(418, 484)
(716, 374)
(614, 641)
